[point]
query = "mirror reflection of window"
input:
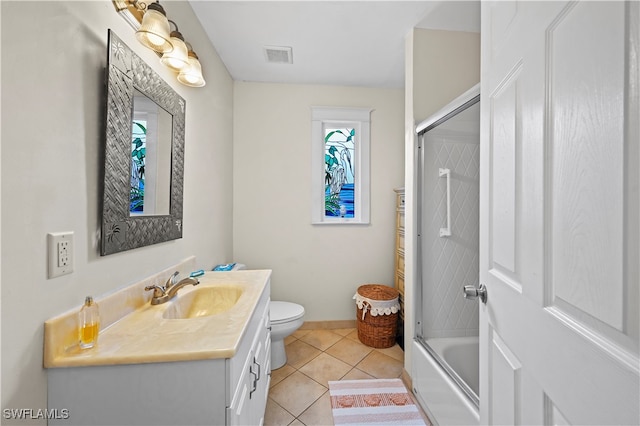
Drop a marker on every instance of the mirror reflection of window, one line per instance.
(150, 158)
(138, 156)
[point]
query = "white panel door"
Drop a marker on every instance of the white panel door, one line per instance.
(559, 213)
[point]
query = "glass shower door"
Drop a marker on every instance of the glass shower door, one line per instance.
(448, 216)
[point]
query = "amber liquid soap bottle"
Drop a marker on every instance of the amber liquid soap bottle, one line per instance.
(88, 324)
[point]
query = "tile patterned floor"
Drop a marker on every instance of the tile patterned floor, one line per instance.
(299, 393)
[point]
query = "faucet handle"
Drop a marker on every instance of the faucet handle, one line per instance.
(172, 280)
(157, 290)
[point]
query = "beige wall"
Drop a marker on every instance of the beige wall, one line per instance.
(318, 266)
(52, 143)
(439, 66)
(445, 65)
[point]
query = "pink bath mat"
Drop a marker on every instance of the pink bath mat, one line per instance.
(372, 402)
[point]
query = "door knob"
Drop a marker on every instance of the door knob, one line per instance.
(471, 292)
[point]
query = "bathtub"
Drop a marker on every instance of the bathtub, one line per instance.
(445, 401)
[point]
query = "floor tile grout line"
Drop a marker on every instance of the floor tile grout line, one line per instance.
(351, 367)
(273, 401)
(327, 389)
(310, 405)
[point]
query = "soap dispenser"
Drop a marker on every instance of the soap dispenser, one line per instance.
(88, 324)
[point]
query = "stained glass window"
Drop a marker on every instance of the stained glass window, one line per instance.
(339, 177)
(340, 168)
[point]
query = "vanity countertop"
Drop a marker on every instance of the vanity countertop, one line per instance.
(141, 334)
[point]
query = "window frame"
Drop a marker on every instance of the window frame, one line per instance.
(340, 117)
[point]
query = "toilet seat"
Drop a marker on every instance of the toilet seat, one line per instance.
(285, 312)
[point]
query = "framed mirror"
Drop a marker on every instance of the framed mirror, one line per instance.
(144, 154)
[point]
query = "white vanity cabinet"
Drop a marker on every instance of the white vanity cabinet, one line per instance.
(252, 373)
(219, 391)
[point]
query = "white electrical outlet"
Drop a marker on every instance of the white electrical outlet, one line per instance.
(60, 253)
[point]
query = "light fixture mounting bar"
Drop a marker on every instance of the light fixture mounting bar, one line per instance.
(131, 11)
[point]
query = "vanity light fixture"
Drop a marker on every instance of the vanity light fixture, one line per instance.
(153, 30)
(178, 58)
(191, 75)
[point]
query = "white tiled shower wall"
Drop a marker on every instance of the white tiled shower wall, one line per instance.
(449, 263)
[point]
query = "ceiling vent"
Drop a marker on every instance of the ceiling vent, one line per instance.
(278, 54)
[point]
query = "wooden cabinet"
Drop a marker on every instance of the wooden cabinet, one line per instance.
(399, 260)
(219, 391)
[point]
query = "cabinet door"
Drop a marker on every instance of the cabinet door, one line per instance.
(240, 411)
(261, 369)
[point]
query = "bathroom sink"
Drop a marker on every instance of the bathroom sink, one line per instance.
(203, 302)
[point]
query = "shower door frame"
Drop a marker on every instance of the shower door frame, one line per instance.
(461, 103)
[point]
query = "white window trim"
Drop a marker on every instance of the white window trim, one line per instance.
(360, 119)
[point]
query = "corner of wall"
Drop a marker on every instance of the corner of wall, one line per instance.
(409, 161)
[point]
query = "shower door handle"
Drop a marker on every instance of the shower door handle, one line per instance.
(446, 232)
(471, 292)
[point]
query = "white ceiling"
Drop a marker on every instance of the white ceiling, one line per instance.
(351, 43)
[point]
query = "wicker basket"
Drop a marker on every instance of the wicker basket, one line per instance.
(377, 331)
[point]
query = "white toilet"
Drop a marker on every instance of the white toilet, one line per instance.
(286, 317)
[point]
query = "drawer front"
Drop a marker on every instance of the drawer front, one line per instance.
(400, 261)
(400, 283)
(400, 202)
(400, 221)
(400, 238)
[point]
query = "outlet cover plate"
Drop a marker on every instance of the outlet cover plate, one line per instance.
(60, 253)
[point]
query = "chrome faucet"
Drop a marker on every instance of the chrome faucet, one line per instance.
(162, 294)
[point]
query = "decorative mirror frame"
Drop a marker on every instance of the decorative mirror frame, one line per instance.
(121, 231)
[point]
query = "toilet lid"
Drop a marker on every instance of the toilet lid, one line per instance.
(285, 311)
